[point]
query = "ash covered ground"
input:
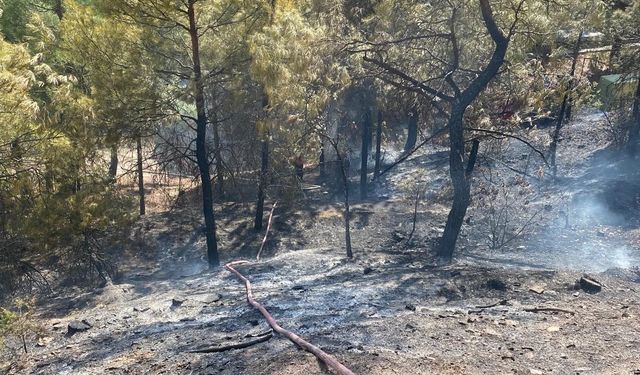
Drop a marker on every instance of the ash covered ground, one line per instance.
(501, 307)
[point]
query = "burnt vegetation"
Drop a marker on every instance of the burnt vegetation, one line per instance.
(399, 186)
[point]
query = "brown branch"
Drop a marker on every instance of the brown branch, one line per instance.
(239, 345)
(322, 356)
(502, 302)
(266, 233)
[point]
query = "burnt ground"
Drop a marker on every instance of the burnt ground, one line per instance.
(393, 309)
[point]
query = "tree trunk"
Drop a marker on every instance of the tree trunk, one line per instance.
(322, 162)
(376, 169)
(59, 9)
(113, 162)
(219, 163)
(364, 154)
(634, 131)
(140, 175)
(201, 142)
(412, 131)
(576, 54)
(347, 209)
(564, 109)
(261, 185)
(461, 185)
(459, 178)
(614, 54)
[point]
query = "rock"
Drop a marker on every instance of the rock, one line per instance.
(77, 326)
(538, 289)
(410, 307)
(398, 236)
(589, 284)
(177, 301)
(210, 298)
(553, 329)
(43, 341)
(533, 371)
(140, 308)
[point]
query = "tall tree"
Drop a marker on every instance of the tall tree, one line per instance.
(212, 28)
(452, 66)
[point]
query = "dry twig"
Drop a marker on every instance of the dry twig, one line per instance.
(266, 234)
(239, 345)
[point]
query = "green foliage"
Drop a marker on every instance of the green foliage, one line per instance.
(52, 179)
(13, 19)
(19, 326)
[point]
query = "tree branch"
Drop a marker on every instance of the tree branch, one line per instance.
(327, 359)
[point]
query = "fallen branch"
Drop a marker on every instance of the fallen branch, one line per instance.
(502, 302)
(327, 359)
(240, 345)
(549, 309)
(266, 234)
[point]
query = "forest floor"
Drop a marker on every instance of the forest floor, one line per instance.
(508, 303)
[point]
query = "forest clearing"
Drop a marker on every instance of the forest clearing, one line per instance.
(319, 187)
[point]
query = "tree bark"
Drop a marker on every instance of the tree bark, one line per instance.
(461, 184)
(113, 162)
(201, 142)
(376, 169)
(219, 163)
(59, 9)
(364, 153)
(347, 208)
(140, 176)
(261, 184)
(412, 131)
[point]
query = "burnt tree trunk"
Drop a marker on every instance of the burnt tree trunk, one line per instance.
(576, 54)
(376, 169)
(322, 162)
(219, 163)
(201, 141)
(58, 9)
(113, 162)
(459, 177)
(634, 131)
(564, 109)
(347, 209)
(460, 181)
(412, 131)
(140, 175)
(614, 54)
(364, 153)
(262, 183)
